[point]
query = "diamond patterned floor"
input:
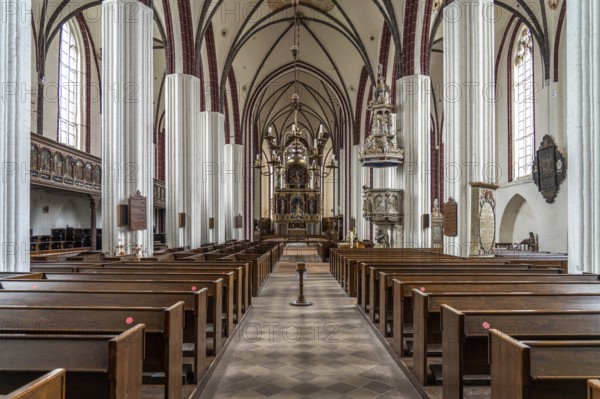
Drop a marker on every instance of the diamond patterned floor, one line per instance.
(323, 351)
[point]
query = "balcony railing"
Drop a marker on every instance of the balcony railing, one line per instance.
(60, 166)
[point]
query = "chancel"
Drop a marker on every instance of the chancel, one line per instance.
(176, 174)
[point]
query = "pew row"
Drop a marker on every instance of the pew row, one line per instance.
(411, 281)
(465, 336)
(230, 297)
(214, 293)
(195, 305)
(404, 296)
(163, 332)
(378, 288)
(427, 311)
(111, 368)
(544, 369)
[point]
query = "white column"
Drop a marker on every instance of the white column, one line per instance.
(360, 178)
(232, 179)
(127, 148)
(340, 193)
(183, 155)
(469, 124)
(212, 137)
(414, 120)
(583, 135)
(15, 121)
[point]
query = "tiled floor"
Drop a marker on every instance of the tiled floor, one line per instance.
(323, 351)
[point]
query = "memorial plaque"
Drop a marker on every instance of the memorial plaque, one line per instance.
(549, 169)
(137, 212)
(450, 218)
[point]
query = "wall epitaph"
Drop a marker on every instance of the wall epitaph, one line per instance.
(137, 212)
(549, 169)
(450, 218)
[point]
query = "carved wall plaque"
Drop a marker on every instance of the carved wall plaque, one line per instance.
(137, 212)
(450, 218)
(549, 169)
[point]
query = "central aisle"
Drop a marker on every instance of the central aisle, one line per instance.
(322, 351)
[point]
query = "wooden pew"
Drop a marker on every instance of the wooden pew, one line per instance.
(391, 273)
(421, 280)
(184, 266)
(374, 285)
(261, 266)
(427, 309)
(403, 294)
(465, 336)
(239, 286)
(556, 369)
(179, 279)
(593, 389)
(369, 273)
(348, 263)
(111, 367)
(214, 293)
(163, 332)
(51, 385)
(195, 304)
(174, 267)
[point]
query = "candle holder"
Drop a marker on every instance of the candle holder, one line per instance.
(301, 301)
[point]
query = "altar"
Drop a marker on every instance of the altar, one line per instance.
(297, 209)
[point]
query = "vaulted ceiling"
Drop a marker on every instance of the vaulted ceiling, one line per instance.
(241, 51)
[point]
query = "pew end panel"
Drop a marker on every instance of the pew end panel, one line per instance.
(593, 389)
(509, 364)
(51, 385)
(175, 324)
(127, 358)
(452, 350)
(398, 322)
(199, 338)
(420, 333)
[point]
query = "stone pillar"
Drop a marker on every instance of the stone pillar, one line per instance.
(15, 122)
(93, 230)
(414, 121)
(469, 124)
(232, 179)
(583, 135)
(360, 178)
(212, 138)
(127, 148)
(183, 151)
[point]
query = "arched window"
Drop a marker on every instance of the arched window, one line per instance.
(69, 108)
(524, 123)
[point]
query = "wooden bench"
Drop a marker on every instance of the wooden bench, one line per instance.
(214, 293)
(163, 332)
(427, 310)
(51, 385)
(229, 296)
(422, 280)
(444, 269)
(187, 266)
(465, 336)
(346, 264)
(542, 369)
(403, 295)
(241, 269)
(369, 273)
(111, 367)
(195, 304)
